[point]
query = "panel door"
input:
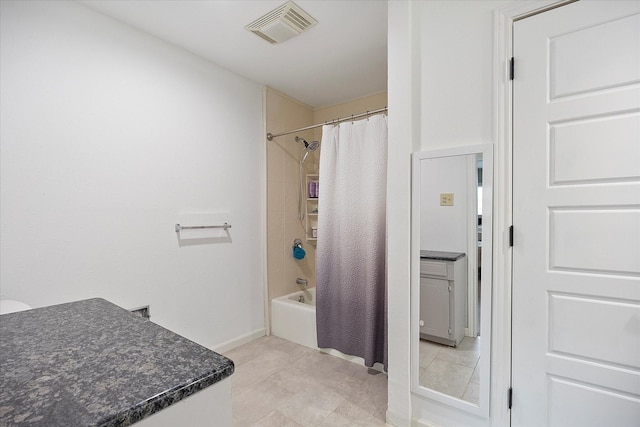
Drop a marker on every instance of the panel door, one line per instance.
(576, 215)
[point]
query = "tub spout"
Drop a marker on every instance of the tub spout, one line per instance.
(302, 282)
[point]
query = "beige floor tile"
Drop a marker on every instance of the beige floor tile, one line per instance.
(297, 379)
(262, 367)
(348, 386)
(467, 353)
(428, 352)
(475, 378)
(249, 406)
(472, 393)
(354, 370)
(276, 419)
(247, 352)
(320, 361)
(446, 377)
(350, 415)
(311, 407)
(370, 395)
(469, 343)
(294, 351)
(281, 383)
(378, 382)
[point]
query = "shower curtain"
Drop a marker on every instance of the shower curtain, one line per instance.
(351, 292)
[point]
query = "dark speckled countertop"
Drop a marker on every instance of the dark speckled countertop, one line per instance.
(442, 256)
(92, 363)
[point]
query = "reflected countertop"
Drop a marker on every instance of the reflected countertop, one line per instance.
(441, 256)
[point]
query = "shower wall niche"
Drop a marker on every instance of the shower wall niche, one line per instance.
(311, 206)
(284, 113)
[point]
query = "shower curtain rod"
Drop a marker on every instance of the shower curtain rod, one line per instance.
(270, 135)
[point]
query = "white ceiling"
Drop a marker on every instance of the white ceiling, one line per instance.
(341, 58)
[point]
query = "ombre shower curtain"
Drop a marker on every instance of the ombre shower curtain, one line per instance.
(351, 291)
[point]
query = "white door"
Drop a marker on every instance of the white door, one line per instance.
(576, 216)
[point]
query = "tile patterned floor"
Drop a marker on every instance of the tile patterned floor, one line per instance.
(279, 383)
(453, 371)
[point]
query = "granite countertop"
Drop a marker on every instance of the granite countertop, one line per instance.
(92, 363)
(441, 256)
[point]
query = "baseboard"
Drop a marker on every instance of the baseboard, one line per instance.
(396, 420)
(237, 342)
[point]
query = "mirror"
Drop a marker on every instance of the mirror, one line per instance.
(451, 276)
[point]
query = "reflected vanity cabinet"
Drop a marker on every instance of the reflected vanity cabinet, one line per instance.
(443, 289)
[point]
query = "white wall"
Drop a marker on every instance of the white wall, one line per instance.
(440, 74)
(444, 228)
(107, 136)
(402, 142)
(456, 54)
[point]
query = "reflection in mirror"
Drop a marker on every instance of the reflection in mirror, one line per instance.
(450, 319)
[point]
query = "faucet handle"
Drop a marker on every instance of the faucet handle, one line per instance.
(302, 282)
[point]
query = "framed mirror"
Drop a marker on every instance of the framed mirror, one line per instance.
(451, 276)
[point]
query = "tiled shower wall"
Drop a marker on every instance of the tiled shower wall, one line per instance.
(283, 153)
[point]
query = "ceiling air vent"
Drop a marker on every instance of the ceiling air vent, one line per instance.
(282, 23)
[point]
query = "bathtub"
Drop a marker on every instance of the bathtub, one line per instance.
(293, 318)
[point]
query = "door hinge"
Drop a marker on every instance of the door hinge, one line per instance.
(509, 397)
(511, 236)
(449, 288)
(512, 68)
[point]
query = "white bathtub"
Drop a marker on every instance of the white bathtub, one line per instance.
(295, 320)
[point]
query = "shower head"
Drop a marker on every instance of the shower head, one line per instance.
(310, 146)
(313, 145)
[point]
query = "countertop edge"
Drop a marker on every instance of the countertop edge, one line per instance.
(165, 399)
(441, 256)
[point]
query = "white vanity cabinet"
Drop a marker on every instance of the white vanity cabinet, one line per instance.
(443, 290)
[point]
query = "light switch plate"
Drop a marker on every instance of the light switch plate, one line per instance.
(446, 199)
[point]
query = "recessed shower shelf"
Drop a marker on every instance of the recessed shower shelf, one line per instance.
(311, 217)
